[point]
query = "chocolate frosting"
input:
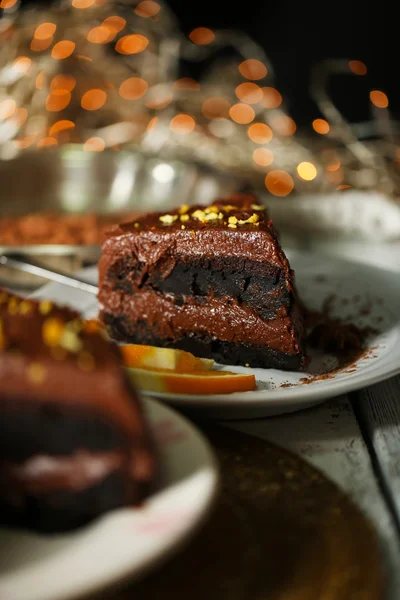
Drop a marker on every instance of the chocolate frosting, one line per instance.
(220, 317)
(48, 355)
(148, 239)
(43, 474)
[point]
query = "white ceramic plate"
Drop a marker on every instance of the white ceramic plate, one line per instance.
(366, 295)
(123, 543)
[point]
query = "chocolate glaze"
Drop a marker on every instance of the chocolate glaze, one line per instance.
(42, 474)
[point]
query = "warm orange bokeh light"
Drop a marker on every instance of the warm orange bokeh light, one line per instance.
(263, 157)
(333, 166)
(84, 57)
(63, 82)
(63, 49)
(306, 171)
(187, 84)
(260, 133)
(249, 92)
(93, 99)
(115, 24)
(47, 141)
(39, 45)
(133, 88)
(253, 69)
(344, 186)
(202, 36)
(242, 113)
(152, 123)
(100, 35)
(22, 64)
(335, 176)
(132, 44)
(58, 100)
(61, 126)
(284, 125)
(40, 80)
(147, 8)
(159, 101)
(320, 126)
(7, 3)
(25, 142)
(271, 97)
(357, 67)
(82, 3)
(20, 115)
(182, 124)
(215, 108)
(379, 99)
(44, 31)
(7, 108)
(279, 183)
(94, 144)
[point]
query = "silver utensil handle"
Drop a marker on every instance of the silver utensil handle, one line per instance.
(23, 263)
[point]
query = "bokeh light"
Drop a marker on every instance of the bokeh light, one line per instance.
(182, 124)
(40, 45)
(147, 8)
(283, 125)
(215, 108)
(132, 44)
(321, 126)
(263, 157)
(63, 49)
(61, 126)
(94, 144)
(260, 133)
(241, 113)
(93, 99)
(252, 69)
(82, 3)
(44, 31)
(279, 183)
(133, 88)
(40, 80)
(7, 4)
(46, 142)
(186, 84)
(379, 99)
(7, 108)
(22, 64)
(202, 36)
(63, 82)
(250, 93)
(58, 100)
(357, 67)
(306, 171)
(271, 97)
(100, 35)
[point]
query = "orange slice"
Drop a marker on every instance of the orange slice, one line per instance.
(150, 357)
(204, 382)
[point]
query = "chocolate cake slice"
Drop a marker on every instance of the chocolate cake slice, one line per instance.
(211, 280)
(73, 439)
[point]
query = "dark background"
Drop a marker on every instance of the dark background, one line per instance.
(297, 34)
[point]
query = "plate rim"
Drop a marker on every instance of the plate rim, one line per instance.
(119, 576)
(264, 403)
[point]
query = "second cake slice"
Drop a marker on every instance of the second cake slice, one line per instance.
(211, 280)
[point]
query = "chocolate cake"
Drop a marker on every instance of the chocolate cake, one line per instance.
(73, 439)
(211, 280)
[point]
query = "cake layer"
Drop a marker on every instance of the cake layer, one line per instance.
(63, 510)
(229, 353)
(222, 318)
(260, 286)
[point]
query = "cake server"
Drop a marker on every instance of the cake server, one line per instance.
(28, 265)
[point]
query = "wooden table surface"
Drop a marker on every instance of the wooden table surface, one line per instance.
(354, 439)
